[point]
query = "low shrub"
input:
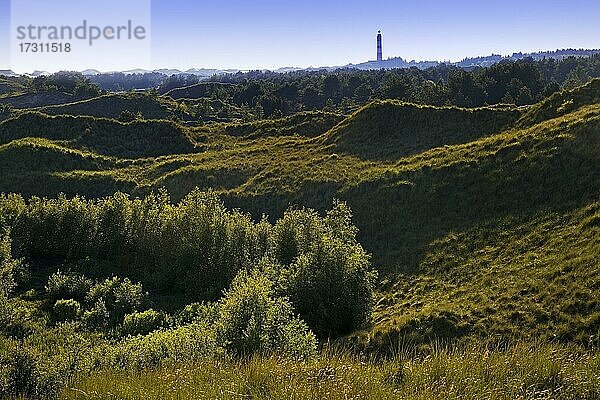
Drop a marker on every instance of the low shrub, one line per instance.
(119, 296)
(97, 318)
(66, 310)
(253, 319)
(67, 286)
(142, 323)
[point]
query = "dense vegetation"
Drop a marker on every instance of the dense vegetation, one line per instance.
(303, 268)
(522, 82)
(256, 95)
(388, 249)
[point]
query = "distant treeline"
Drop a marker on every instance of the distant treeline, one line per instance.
(67, 82)
(119, 81)
(520, 82)
(271, 94)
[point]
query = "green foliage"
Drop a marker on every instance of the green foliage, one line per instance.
(253, 320)
(197, 312)
(22, 377)
(13, 85)
(69, 82)
(39, 156)
(482, 221)
(135, 139)
(197, 246)
(20, 318)
(250, 319)
(142, 323)
(309, 124)
(12, 271)
(67, 286)
(329, 279)
(194, 248)
(125, 107)
(515, 278)
(188, 343)
(518, 82)
(97, 318)
(66, 310)
(105, 304)
(40, 365)
(562, 103)
(332, 286)
(120, 297)
(7, 281)
(424, 196)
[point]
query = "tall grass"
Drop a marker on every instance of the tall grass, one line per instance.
(524, 371)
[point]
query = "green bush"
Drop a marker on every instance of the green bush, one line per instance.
(65, 286)
(20, 318)
(39, 365)
(252, 319)
(195, 249)
(329, 280)
(332, 288)
(197, 312)
(12, 271)
(20, 376)
(66, 310)
(142, 323)
(119, 296)
(98, 317)
(193, 342)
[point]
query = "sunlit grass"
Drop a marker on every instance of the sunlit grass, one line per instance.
(475, 372)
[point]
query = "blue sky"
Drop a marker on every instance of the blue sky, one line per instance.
(271, 34)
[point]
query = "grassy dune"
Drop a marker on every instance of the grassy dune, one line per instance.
(390, 130)
(529, 279)
(136, 139)
(484, 226)
(113, 105)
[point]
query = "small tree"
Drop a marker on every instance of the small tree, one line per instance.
(329, 280)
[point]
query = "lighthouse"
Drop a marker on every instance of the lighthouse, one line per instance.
(379, 46)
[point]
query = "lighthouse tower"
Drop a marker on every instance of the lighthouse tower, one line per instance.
(379, 46)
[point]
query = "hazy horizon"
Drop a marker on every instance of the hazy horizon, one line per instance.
(283, 67)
